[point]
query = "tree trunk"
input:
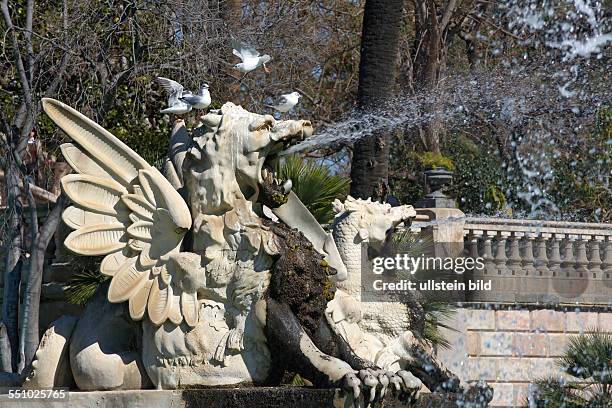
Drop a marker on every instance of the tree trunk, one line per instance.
(377, 74)
(5, 350)
(429, 63)
(31, 304)
(13, 261)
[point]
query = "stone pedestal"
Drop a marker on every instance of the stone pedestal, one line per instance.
(445, 232)
(446, 226)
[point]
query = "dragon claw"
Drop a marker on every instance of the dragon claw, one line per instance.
(352, 384)
(384, 381)
(411, 383)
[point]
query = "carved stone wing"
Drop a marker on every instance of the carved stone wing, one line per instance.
(125, 209)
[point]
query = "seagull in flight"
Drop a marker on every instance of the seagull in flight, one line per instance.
(286, 102)
(250, 57)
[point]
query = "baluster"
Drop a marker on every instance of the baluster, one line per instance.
(472, 238)
(473, 246)
(568, 261)
(554, 262)
(541, 282)
(606, 265)
(595, 262)
(581, 255)
(514, 258)
(500, 253)
(487, 254)
(541, 262)
(527, 257)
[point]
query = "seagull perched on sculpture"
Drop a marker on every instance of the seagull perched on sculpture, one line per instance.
(181, 101)
(250, 57)
(201, 100)
(286, 102)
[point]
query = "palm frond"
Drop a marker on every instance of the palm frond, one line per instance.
(83, 286)
(314, 185)
(589, 356)
(436, 312)
(554, 393)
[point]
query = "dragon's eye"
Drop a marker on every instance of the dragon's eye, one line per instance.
(266, 123)
(267, 126)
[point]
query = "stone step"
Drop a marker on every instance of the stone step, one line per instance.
(252, 397)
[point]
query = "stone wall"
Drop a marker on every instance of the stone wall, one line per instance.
(509, 348)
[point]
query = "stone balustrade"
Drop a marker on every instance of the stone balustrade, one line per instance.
(530, 261)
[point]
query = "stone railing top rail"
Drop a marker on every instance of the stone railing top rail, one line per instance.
(536, 226)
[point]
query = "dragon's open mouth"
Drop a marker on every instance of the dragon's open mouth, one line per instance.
(289, 135)
(285, 135)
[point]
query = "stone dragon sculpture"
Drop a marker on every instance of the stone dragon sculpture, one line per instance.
(379, 331)
(205, 288)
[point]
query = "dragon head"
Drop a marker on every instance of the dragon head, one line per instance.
(233, 150)
(374, 221)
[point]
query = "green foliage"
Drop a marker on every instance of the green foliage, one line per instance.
(128, 124)
(581, 187)
(553, 393)
(435, 310)
(495, 197)
(413, 243)
(432, 161)
(477, 186)
(477, 180)
(297, 381)
(83, 286)
(588, 357)
(314, 185)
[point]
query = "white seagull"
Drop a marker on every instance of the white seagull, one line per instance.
(250, 57)
(286, 102)
(201, 100)
(176, 104)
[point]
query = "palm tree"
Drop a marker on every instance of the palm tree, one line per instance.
(429, 312)
(377, 73)
(588, 357)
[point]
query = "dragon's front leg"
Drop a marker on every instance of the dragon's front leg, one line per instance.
(293, 349)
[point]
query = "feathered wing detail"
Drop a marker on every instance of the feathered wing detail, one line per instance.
(173, 88)
(160, 302)
(82, 163)
(243, 50)
(97, 239)
(126, 210)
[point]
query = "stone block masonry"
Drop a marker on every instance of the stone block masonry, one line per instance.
(510, 348)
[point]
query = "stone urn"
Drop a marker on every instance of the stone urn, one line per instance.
(435, 181)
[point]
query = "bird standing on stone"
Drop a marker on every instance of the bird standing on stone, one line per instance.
(251, 59)
(201, 100)
(286, 102)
